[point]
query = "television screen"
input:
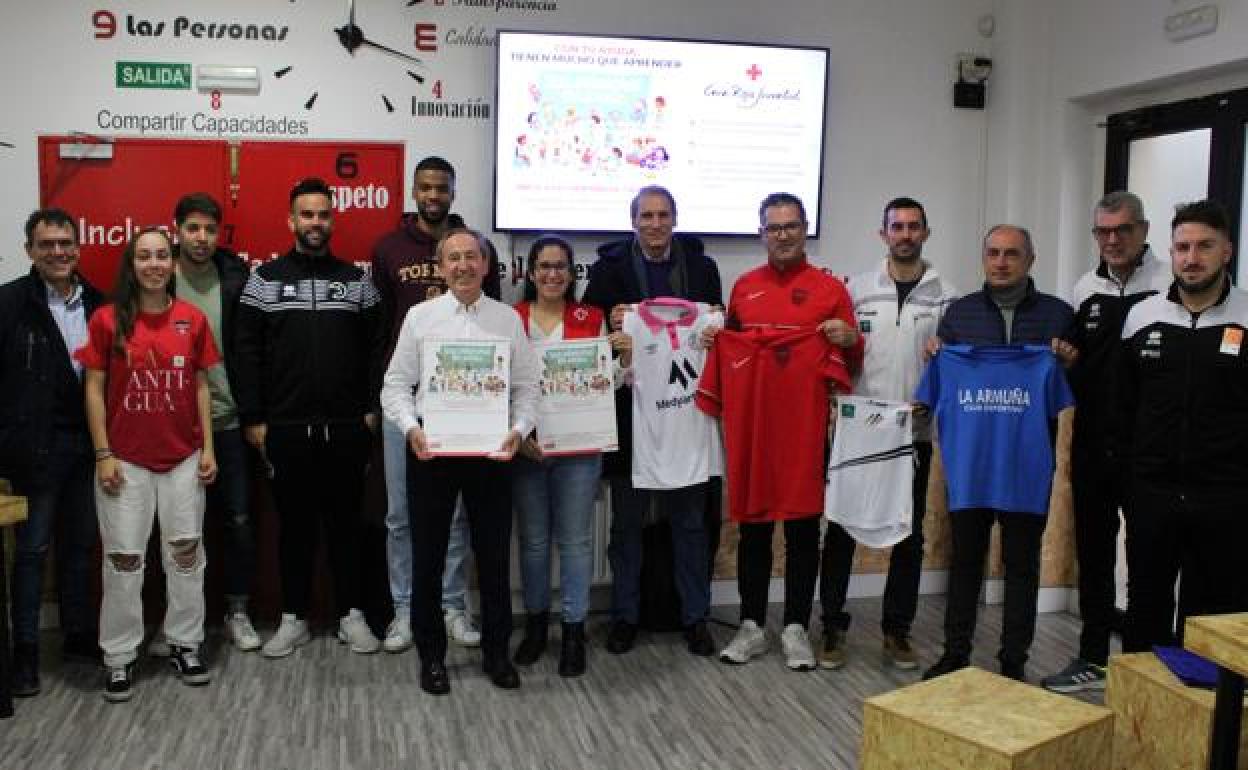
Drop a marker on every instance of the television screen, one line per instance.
(584, 121)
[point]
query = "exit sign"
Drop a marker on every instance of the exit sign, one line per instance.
(153, 74)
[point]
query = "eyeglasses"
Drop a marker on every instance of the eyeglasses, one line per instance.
(67, 245)
(1122, 231)
(788, 228)
(551, 267)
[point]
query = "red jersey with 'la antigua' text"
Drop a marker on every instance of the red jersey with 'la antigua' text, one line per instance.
(153, 417)
(771, 388)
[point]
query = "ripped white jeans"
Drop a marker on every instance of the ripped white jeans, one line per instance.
(125, 526)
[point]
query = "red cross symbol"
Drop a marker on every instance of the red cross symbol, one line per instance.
(753, 72)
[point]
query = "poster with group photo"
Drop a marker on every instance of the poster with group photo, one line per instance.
(576, 410)
(467, 394)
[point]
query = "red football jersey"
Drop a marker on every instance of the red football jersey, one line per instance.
(800, 297)
(771, 389)
(153, 415)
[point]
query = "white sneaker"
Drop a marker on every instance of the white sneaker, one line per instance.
(798, 655)
(238, 629)
(399, 634)
(460, 629)
(159, 646)
(353, 630)
(749, 642)
(289, 635)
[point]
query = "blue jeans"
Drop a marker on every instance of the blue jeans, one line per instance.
(557, 495)
(61, 500)
(228, 496)
(685, 509)
(399, 534)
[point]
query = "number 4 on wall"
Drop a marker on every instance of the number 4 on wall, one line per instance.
(437, 89)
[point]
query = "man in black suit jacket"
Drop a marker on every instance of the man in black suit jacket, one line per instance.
(653, 262)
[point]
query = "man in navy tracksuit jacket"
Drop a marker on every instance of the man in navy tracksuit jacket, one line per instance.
(1008, 310)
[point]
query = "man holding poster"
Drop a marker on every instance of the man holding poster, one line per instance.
(462, 318)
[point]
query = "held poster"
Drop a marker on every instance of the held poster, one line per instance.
(467, 393)
(576, 409)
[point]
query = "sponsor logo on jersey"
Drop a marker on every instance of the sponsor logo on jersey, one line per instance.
(1152, 345)
(182, 326)
(682, 373)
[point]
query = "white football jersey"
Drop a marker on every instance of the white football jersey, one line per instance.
(674, 443)
(871, 470)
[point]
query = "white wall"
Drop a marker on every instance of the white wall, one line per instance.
(1088, 59)
(891, 129)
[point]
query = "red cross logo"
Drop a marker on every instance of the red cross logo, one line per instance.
(753, 72)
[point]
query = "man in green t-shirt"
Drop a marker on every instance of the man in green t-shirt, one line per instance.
(211, 278)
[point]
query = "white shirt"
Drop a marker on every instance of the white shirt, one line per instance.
(445, 316)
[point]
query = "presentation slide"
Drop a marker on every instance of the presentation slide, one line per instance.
(583, 122)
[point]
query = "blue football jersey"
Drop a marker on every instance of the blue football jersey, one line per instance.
(993, 407)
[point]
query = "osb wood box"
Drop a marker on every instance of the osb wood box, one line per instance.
(978, 720)
(1158, 721)
(1220, 638)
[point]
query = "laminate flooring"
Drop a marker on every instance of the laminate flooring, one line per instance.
(323, 707)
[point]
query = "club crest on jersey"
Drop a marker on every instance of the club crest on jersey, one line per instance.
(782, 353)
(580, 314)
(336, 290)
(1232, 338)
(799, 296)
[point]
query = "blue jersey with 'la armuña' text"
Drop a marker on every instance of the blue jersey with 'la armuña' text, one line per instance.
(993, 407)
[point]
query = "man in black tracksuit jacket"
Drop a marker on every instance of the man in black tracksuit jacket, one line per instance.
(1183, 430)
(45, 450)
(310, 341)
(1127, 273)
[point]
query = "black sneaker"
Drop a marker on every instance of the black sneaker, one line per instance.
(946, 665)
(119, 683)
(187, 665)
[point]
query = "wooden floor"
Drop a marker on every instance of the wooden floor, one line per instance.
(323, 707)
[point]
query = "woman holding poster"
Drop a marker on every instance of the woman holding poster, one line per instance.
(554, 493)
(150, 417)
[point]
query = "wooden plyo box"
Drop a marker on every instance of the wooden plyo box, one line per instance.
(974, 719)
(1158, 721)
